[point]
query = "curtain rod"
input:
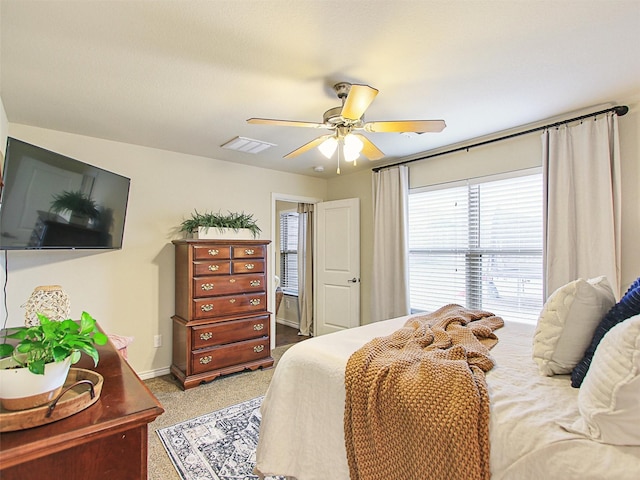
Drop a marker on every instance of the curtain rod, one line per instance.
(619, 110)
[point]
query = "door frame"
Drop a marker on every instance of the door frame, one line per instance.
(271, 267)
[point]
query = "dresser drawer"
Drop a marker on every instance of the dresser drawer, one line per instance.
(253, 251)
(226, 285)
(212, 267)
(247, 266)
(227, 355)
(209, 252)
(229, 305)
(229, 332)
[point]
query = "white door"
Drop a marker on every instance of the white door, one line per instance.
(337, 260)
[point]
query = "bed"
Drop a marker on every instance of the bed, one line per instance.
(532, 429)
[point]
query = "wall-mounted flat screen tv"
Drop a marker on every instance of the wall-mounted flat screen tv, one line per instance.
(51, 201)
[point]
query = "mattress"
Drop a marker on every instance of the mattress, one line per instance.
(302, 435)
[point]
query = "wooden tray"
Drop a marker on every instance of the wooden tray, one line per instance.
(81, 390)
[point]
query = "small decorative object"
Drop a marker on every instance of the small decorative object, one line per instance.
(81, 206)
(49, 300)
(201, 223)
(46, 349)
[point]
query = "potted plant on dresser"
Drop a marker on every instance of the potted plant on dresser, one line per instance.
(236, 226)
(33, 371)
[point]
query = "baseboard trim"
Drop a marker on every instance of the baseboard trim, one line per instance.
(154, 373)
(288, 323)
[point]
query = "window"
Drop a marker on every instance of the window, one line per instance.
(478, 244)
(289, 252)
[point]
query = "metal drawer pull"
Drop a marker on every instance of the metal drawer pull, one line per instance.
(205, 360)
(206, 336)
(207, 308)
(207, 286)
(232, 300)
(213, 252)
(258, 348)
(249, 251)
(258, 326)
(254, 301)
(232, 280)
(249, 266)
(255, 283)
(214, 268)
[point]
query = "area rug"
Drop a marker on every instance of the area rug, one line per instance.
(217, 446)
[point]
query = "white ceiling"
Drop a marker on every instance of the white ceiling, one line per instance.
(185, 75)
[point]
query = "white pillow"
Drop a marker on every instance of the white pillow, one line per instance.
(609, 396)
(567, 322)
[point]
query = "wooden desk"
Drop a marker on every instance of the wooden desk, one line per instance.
(106, 441)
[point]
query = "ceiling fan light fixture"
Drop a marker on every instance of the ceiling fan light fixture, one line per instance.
(350, 155)
(352, 147)
(328, 147)
(353, 143)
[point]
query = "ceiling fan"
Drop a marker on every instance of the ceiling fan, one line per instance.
(348, 119)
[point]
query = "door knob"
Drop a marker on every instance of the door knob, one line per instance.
(354, 280)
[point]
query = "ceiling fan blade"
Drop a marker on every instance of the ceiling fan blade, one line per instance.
(285, 123)
(369, 150)
(307, 146)
(357, 101)
(418, 126)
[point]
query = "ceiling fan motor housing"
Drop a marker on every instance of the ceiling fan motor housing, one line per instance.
(333, 117)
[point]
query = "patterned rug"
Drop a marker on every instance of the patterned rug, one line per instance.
(217, 446)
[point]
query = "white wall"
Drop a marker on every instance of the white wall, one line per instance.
(130, 291)
(508, 155)
(518, 153)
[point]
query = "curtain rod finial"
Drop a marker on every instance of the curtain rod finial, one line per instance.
(622, 110)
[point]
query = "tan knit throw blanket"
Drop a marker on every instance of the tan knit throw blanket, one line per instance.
(416, 401)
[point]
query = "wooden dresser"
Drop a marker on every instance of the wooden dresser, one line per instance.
(221, 322)
(106, 441)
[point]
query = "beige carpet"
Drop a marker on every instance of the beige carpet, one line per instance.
(181, 405)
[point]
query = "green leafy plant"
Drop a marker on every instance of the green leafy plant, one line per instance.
(234, 221)
(54, 341)
(75, 202)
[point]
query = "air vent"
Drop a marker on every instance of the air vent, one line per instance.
(247, 145)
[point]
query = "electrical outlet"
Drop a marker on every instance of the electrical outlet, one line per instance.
(157, 341)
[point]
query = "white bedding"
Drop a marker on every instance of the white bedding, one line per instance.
(302, 436)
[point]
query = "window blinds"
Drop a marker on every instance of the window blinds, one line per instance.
(478, 244)
(289, 252)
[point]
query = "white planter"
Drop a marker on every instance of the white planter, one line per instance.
(20, 389)
(214, 233)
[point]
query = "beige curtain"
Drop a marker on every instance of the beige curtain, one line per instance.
(581, 168)
(305, 267)
(390, 282)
